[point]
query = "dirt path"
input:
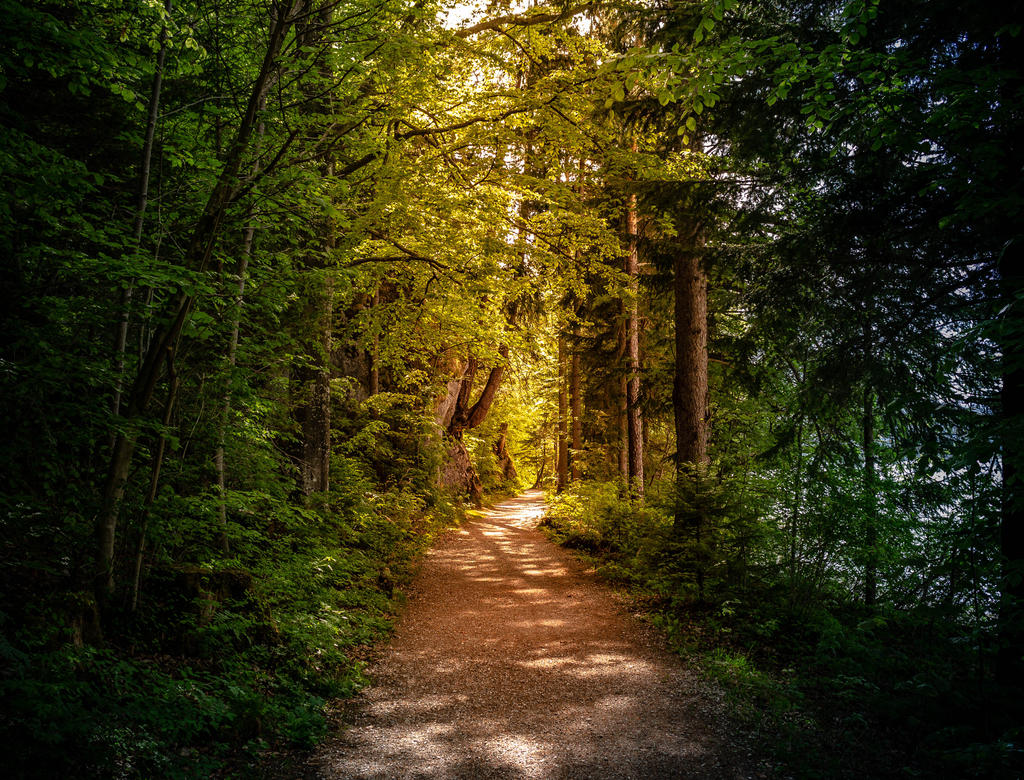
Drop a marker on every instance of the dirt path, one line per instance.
(512, 662)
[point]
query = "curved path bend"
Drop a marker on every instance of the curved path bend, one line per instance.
(511, 661)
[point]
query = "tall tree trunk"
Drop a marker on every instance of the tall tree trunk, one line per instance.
(230, 363)
(794, 516)
(870, 501)
(196, 257)
(634, 417)
(509, 472)
(1010, 659)
(141, 202)
(563, 412)
(690, 392)
(154, 486)
(576, 408)
(232, 359)
(315, 464)
(622, 408)
(543, 461)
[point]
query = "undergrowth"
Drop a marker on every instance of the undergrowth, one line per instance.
(223, 661)
(829, 687)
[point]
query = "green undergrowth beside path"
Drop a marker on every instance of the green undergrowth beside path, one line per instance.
(828, 687)
(223, 663)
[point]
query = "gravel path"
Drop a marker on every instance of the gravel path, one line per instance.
(511, 661)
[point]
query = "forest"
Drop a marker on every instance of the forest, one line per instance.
(288, 287)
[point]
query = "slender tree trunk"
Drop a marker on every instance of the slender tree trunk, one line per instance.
(232, 360)
(196, 257)
(141, 202)
(622, 411)
(634, 417)
(543, 462)
(794, 516)
(870, 501)
(316, 419)
(576, 407)
(563, 412)
(154, 486)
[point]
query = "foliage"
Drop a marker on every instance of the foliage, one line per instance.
(830, 687)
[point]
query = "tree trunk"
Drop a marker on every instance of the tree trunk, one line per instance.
(622, 417)
(576, 407)
(154, 486)
(315, 463)
(690, 393)
(465, 418)
(794, 516)
(225, 409)
(373, 375)
(563, 412)
(543, 462)
(458, 472)
(232, 360)
(509, 473)
(870, 501)
(164, 342)
(634, 417)
(141, 202)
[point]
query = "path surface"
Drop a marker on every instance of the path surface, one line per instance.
(512, 662)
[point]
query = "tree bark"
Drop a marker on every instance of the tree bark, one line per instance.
(373, 375)
(141, 202)
(543, 461)
(232, 359)
(870, 501)
(154, 486)
(315, 467)
(509, 472)
(634, 416)
(622, 410)
(563, 411)
(225, 409)
(690, 392)
(576, 408)
(794, 517)
(465, 418)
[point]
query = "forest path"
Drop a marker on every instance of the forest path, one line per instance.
(511, 661)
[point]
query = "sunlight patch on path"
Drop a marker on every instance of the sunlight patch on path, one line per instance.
(512, 662)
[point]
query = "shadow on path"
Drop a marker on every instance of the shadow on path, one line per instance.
(512, 662)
